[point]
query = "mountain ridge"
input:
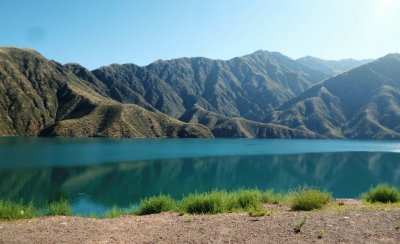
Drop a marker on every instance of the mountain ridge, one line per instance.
(259, 95)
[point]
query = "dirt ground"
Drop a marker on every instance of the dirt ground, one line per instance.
(348, 222)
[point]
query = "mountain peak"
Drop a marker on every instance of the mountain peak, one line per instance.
(391, 56)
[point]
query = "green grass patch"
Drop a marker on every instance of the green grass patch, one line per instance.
(157, 204)
(307, 199)
(242, 200)
(382, 193)
(10, 210)
(61, 207)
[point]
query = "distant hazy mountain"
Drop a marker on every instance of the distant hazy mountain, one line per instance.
(362, 103)
(332, 67)
(264, 95)
(40, 97)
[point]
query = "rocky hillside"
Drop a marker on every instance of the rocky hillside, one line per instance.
(41, 97)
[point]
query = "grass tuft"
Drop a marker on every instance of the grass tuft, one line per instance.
(61, 207)
(157, 204)
(382, 193)
(205, 203)
(308, 199)
(10, 210)
(114, 212)
(272, 197)
(244, 200)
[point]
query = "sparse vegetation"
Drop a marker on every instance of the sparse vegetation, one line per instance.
(307, 199)
(242, 200)
(382, 193)
(61, 207)
(157, 204)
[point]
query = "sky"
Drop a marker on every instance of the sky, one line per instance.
(95, 33)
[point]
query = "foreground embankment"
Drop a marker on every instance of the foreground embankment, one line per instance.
(305, 215)
(342, 221)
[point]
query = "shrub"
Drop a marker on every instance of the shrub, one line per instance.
(157, 204)
(61, 207)
(205, 203)
(307, 199)
(10, 210)
(382, 193)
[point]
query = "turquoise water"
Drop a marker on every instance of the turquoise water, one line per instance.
(96, 174)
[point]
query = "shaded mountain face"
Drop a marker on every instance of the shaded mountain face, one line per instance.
(332, 67)
(250, 87)
(362, 103)
(41, 97)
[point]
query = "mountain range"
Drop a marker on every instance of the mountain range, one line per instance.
(260, 95)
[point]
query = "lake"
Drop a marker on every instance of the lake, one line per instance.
(97, 173)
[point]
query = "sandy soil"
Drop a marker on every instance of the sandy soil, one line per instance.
(345, 223)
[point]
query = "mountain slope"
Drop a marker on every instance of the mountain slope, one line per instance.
(222, 126)
(261, 95)
(332, 67)
(38, 96)
(250, 86)
(362, 103)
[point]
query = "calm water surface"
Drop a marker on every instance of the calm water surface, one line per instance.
(96, 174)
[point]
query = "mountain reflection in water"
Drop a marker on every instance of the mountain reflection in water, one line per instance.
(104, 185)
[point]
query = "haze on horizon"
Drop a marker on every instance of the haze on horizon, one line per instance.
(96, 33)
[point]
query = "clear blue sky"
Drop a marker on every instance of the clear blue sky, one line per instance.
(95, 33)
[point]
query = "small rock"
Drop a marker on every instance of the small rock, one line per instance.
(63, 223)
(1, 227)
(346, 217)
